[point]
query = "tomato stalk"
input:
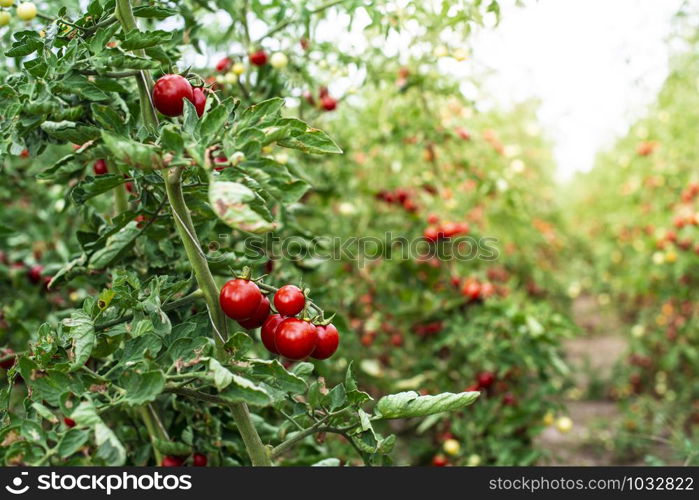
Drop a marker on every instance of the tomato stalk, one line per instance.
(185, 227)
(124, 14)
(154, 431)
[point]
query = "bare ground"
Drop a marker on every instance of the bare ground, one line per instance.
(592, 358)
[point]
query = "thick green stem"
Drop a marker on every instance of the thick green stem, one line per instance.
(125, 16)
(256, 450)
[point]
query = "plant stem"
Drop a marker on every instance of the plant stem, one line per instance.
(125, 16)
(153, 431)
(183, 221)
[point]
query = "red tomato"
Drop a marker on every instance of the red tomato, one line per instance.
(199, 460)
(439, 461)
(258, 58)
(289, 300)
(485, 379)
(328, 103)
(268, 331)
(100, 167)
(328, 340)
(199, 100)
(240, 299)
(259, 317)
(170, 461)
(295, 338)
(471, 289)
(223, 65)
(34, 273)
(431, 234)
(69, 422)
(169, 92)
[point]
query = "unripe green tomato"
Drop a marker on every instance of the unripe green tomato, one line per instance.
(26, 11)
(279, 60)
(4, 18)
(6, 3)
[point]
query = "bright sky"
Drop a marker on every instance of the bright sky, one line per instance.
(595, 65)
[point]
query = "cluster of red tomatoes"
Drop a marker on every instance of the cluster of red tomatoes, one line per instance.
(437, 230)
(325, 101)
(169, 92)
(398, 196)
(282, 333)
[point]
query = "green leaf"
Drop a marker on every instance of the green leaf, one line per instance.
(232, 201)
(68, 131)
(72, 441)
(312, 141)
(245, 391)
(140, 40)
(222, 376)
(411, 404)
(94, 186)
(142, 388)
(153, 12)
(109, 448)
(138, 348)
(116, 244)
(213, 121)
(276, 375)
(172, 448)
(82, 333)
(132, 153)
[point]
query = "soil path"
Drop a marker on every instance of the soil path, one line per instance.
(592, 358)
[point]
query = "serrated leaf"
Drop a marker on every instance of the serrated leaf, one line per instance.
(82, 334)
(142, 39)
(132, 153)
(142, 388)
(276, 375)
(94, 186)
(222, 375)
(117, 243)
(244, 390)
(72, 441)
(411, 404)
(232, 202)
(312, 141)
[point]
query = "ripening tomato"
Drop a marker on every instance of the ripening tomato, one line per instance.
(259, 317)
(269, 329)
(295, 338)
(223, 65)
(240, 298)
(26, 11)
(328, 340)
(169, 92)
(100, 167)
(328, 103)
(258, 58)
(289, 300)
(485, 379)
(11, 358)
(170, 461)
(69, 422)
(199, 100)
(4, 18)
(34, 273)
(431, 234)
(439, 461)
(199, 460)
(471, 289)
